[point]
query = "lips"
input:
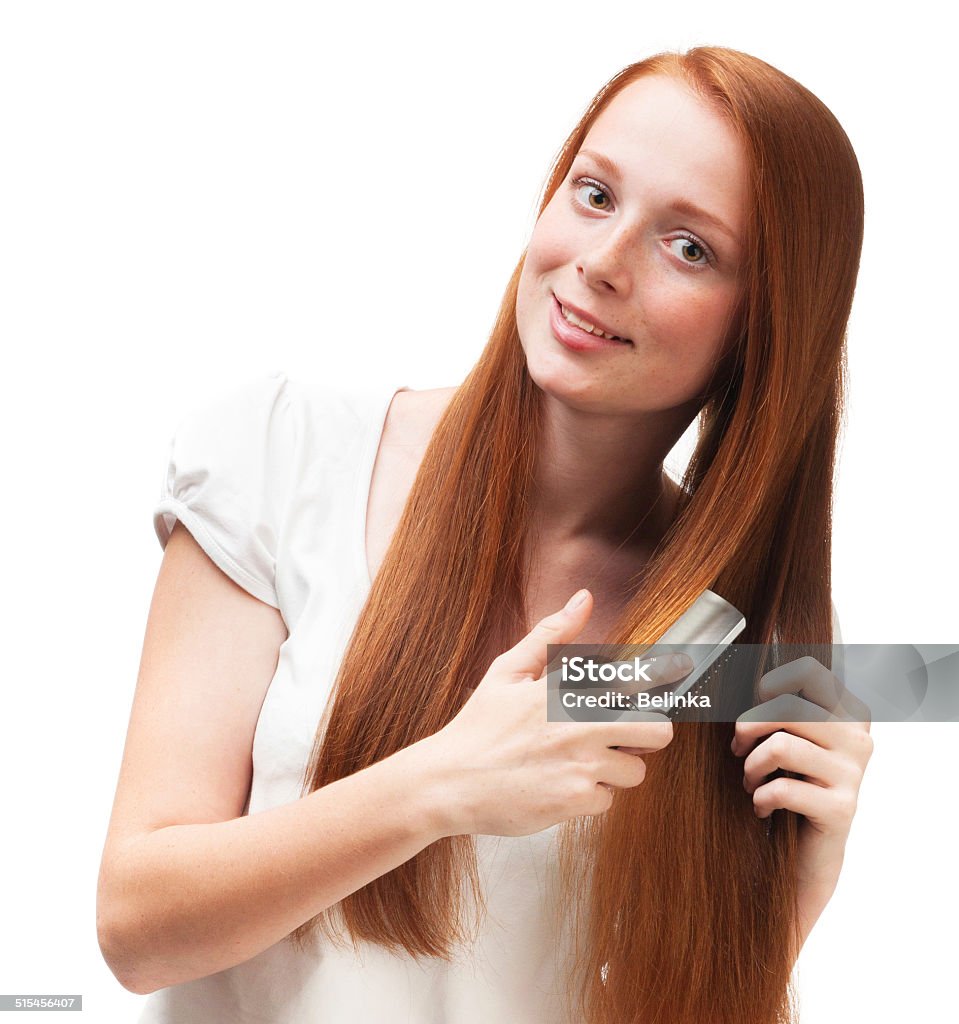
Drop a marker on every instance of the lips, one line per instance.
(589, 318)
(577, 340)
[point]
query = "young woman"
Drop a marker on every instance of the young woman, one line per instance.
(415, 842)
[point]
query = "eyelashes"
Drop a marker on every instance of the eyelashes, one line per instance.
(691, 244)
(594, 186)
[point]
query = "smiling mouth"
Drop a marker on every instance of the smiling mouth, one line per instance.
(585, 325)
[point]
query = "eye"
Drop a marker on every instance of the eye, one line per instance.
(591, 194)
(692, 251)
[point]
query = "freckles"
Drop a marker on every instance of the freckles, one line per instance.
(687, 321)
(684, 329)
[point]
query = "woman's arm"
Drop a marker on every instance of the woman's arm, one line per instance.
(822, 736)
(185, 901)
(187, 886)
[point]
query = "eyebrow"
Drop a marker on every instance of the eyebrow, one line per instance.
(684, 206)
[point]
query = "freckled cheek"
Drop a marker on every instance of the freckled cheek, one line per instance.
(685, 319)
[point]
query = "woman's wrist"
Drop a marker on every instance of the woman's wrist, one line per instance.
(427, 787)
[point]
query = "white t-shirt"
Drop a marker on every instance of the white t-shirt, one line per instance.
(272, 480)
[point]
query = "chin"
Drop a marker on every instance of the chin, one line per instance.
(566, 382)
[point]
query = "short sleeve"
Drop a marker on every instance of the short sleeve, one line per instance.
(229, 477)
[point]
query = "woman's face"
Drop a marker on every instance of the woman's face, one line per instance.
(643, 241)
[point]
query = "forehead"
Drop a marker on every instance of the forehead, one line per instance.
(665, 137)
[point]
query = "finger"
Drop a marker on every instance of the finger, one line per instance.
(827, 809)
(787, 707)
(791, 753)
(637, 732)
(805, 678)
(855, 709)
(527, 659)
(622, 771)
(796, 716)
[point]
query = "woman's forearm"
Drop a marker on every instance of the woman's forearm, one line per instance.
(816, 889)
(811, 905)
(187, 901)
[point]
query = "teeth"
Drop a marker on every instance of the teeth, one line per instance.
(585, 325)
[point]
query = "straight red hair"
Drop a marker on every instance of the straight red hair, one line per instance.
(682, 907)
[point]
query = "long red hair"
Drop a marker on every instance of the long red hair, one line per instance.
(682, 906)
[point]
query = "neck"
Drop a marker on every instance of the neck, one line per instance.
(600, 475)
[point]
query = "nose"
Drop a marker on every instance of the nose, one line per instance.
(608, 264)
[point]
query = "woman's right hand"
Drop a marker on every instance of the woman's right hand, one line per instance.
(508, 771)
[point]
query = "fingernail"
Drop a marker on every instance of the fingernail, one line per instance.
(576, 600)
(681, 662)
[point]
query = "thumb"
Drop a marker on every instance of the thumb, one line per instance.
(527, 659)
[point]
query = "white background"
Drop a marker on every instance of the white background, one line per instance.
(194, 193)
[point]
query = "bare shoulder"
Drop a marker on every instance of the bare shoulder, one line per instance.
(413, 416)
(410, 422)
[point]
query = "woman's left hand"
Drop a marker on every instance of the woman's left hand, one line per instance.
(815, 727)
